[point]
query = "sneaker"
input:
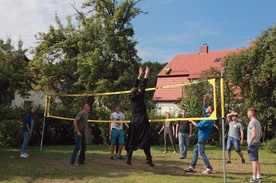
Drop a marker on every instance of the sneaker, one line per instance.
(26, 154)
(120, 158)
(228, 162)
(150, 163)
(258, 180)
(111, 158)
(252, 180)
(165, 152)
(182, 158)
(243, 160)
(71, 165)
(174, 152)
(23, 155)
(207, 171)
(190, 169)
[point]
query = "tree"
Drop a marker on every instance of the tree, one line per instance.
(98, 55)
(14, 72)
(251, 78)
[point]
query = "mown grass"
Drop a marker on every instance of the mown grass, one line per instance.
(50, 165)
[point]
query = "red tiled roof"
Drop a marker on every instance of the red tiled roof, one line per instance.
(185, 67)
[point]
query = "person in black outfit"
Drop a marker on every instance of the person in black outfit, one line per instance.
(139, 127)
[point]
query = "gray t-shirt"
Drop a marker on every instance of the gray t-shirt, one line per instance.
(254, 123)
(235, 129)
(168, 127)
(82, 120)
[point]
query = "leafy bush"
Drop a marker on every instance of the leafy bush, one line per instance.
(11, 134)
(270, 145)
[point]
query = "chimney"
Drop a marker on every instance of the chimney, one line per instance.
(203, 48)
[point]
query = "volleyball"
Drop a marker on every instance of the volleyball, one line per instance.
(167, 70)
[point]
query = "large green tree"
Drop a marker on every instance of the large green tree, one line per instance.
(14, 72)
(251, 79)
(99, 55)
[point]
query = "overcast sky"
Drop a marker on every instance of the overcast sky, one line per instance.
(171, 26)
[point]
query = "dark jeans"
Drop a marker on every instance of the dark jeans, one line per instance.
(80, 145)
(171, 139)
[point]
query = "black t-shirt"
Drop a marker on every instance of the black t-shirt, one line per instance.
(184, 126)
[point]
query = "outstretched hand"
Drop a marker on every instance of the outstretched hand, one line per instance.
(140, 71)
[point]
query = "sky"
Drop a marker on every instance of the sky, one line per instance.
(170, 27)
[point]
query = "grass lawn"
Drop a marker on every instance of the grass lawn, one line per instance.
(50, 165)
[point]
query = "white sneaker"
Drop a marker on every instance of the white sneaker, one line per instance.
(26, 154)
(165, 152)
(174, 152)
(207, 171)
(23, 155)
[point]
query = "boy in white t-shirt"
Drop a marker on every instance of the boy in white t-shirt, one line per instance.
(116, 132)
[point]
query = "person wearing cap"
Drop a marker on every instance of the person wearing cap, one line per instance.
(235, 136)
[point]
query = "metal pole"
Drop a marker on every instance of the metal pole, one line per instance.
(45, 113)
(223, 121)
(41, 143)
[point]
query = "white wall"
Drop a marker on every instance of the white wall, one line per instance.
(171, 107)
(36, 98)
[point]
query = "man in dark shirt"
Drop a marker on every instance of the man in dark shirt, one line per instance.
(183, 133)
(139, 127)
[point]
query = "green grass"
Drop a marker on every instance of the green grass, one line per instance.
(50, 165)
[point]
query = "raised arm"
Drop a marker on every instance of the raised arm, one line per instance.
(205, 99)
(147, 72)
(140, 73)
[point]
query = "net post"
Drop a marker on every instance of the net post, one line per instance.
(222, 123)
(44, 116)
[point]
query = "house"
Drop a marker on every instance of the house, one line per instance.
(34, 99)
(186, 68)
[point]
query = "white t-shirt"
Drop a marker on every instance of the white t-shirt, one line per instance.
(117, 117)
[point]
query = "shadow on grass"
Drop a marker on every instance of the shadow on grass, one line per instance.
(52, 164)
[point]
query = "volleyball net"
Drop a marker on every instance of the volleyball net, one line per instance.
(191, 98)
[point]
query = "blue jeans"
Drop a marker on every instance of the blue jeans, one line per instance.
(199, 149)
(233, 142)
(183, 140)
(79, 141)
(25, 142)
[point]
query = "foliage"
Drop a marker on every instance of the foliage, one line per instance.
(251, 79)
(14, 72)
(270, 145)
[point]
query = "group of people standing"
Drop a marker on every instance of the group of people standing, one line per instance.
(139, 132)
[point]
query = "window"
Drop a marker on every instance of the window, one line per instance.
(28, 103)
(217, 59)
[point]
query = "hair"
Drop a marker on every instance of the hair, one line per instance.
(29, 111)
(212, 107)
(253, 110)
(83, 104)
(134, 91)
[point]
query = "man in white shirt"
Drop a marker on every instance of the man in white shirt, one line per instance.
(116, 131)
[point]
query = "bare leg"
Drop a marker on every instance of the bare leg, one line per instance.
(120, 149)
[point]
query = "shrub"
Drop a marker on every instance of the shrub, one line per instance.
(11, 134)
(271, 145)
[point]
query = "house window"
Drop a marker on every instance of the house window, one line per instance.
(194, 80)
(28, 103)
(217, 59)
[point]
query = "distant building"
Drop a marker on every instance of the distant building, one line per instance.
(186, 68)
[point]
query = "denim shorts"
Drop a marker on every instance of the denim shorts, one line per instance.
(253, 151)
(117, 134)
(233, 142)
